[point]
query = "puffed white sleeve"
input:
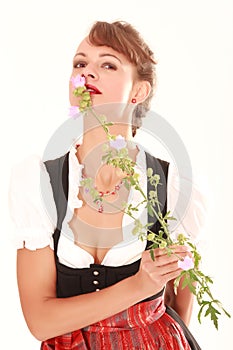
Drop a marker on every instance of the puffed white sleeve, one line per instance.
(31, 205)
(187, 203)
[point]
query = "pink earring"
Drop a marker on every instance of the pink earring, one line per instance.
(133, 100)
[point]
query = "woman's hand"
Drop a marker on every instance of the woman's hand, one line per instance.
(154, 275)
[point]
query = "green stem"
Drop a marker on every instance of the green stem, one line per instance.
(105, 128)
(207, 290)
(158, 239)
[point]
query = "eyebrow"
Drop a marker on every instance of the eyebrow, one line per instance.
(101, 55)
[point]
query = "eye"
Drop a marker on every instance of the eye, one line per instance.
(110, 66)
(80, 64)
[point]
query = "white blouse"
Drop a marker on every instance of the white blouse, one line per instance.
(35, 222)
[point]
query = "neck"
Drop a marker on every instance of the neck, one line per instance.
(90, 152)
(94, 136)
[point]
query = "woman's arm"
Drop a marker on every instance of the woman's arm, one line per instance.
(48, 316)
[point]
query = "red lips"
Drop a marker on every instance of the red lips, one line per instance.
(92, 89)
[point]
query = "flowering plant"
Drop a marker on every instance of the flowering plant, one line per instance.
(116, 154)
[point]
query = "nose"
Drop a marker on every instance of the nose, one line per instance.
(88, 75)
(89, 72)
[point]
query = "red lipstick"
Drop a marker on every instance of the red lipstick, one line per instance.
(92, 89)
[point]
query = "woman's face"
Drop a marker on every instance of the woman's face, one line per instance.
(109, 75)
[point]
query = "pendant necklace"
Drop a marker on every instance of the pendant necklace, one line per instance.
(102, 194)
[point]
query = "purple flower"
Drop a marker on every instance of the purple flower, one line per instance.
(74, 111)
(186, 264)
(78, 81)
(118, 143)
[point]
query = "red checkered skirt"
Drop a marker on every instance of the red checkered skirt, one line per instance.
(144, 326)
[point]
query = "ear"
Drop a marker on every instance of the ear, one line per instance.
(141, 90)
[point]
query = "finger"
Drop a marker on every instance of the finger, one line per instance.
(170, 268)
(172, 275)
(179, 248)
(182, 255)
(163, 253)
(171, 249)
(165, 274)
(166, 260)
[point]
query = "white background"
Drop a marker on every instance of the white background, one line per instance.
(193, 43)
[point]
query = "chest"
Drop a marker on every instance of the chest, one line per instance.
(96, 232)
(103, 224)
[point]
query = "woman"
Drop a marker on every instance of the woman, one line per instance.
(85, 282)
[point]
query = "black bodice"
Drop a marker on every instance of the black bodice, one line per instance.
(76, 281)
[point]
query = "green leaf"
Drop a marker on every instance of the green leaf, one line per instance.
(213, 315)
(193, 275)
(176, 283)
(185, 282)
(152, 254)
(188, 282)
(200, 313)
(150, 210)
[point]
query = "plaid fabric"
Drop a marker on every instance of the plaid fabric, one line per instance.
(144, 326)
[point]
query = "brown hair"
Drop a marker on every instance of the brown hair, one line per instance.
(123, 38)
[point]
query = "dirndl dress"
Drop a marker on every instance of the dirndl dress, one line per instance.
(147, 325)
